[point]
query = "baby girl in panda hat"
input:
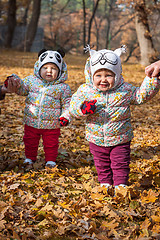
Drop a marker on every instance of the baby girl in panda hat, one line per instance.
(47, 97)
(104, 102)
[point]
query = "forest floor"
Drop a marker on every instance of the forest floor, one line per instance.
(67, 202)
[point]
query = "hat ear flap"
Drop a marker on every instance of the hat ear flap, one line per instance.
(42, 51)
(61, 52)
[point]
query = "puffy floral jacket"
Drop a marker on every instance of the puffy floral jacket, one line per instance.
(45, 101)
(111, 123)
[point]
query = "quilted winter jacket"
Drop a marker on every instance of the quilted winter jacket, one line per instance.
(45, 101)
(111, 123)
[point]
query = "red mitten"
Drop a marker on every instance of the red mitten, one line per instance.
(63, 121)
(88, 107)
(6, 81)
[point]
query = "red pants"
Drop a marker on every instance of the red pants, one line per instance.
(50, 142)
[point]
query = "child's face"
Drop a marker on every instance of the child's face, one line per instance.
(49, 72)
(103, 79)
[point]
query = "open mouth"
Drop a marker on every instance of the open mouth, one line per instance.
(104, 85)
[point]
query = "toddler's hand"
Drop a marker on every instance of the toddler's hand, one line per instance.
(63, 121)
(6, 82)
(88, 107)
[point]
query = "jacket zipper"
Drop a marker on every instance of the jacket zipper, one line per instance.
(40, 108)
(105, 119)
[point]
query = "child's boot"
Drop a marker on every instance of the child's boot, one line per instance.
(50, 164)
(28, 161)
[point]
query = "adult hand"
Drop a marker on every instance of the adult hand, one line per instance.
(11, 84)
(153, 70)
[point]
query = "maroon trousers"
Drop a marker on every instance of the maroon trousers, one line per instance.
(112, 163)
(50, 142)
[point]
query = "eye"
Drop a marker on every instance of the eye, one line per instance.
(43, 68)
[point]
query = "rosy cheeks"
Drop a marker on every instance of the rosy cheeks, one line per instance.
(104, 79)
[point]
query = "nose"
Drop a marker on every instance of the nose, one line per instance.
(104, 78)
(49, 69)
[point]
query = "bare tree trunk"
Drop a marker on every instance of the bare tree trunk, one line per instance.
(0, 8)
(24, 19)
(84, 23)
(108, 9)
(11, 23)
(143, 34)
(91, 20)
(98, 27)
(32, 27)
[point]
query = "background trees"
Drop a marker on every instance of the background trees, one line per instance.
(11, 23)
(74, 23)
(32, 26)
(144, 11)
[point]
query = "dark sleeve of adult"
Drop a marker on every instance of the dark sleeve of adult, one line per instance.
(2, 96)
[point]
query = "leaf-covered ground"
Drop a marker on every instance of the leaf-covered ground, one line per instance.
(67, 202)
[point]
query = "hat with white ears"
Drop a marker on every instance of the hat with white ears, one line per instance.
(106, 59)
(50, 56)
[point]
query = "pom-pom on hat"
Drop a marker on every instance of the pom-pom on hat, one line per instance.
(106, 59)
(50, 56)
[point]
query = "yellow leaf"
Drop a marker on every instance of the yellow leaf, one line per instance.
(38, 202)
(156, 228)
(74, 150)
(45, 196)
(145, 224)
(150, 197)
(64, 205)
(2, 205)
(156, 218)
(97, 196)
(87, 186)
(86, 176)
(110, 225)
(43, 223)
(2, 226)
(47, 207)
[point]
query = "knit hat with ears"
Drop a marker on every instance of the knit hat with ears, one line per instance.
(106, 59)
(49, 56)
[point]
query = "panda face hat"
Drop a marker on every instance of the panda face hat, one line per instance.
(49, 56)
(106, 59)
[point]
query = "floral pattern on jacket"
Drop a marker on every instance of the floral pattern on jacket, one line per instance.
(111, 123)
(45, 101)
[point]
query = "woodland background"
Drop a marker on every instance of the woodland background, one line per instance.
(66, 202)
(72, 24)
